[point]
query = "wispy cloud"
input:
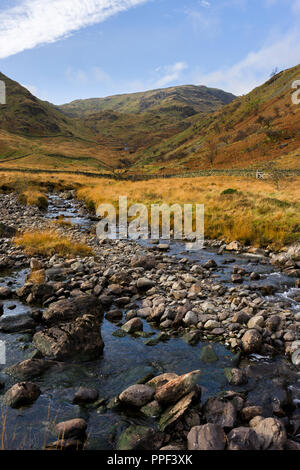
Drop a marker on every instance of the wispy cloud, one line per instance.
(171, 73)
(34, 22)
(257, 66)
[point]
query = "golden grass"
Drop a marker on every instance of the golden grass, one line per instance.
(49, 243)
(34, 197)
(255, 214)
(37, 277)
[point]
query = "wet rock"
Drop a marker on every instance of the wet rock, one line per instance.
(65, 445)
(69, 309)
(243, 439)
(296, 357)
(85, 395)
(237, 278)
(208, 354)
(139, 438)
(15, 323)
(210, 264)
(160, 380)
(80, 340)
(29, 369)
(206, 437)
(250, 412)
(144, 284)
(174, 412)
(152, 409)
(221, 412)
(137, 395)
(114, 315)
(22, 394)
(236, 376)
(40, 293)
(271, 434)
(177, 388)
(5, 293)
(133, 325)
(252, 341)
(192, 337)
(292, 445)
(73, 428)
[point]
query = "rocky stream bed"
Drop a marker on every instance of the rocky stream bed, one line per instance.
(145, 345)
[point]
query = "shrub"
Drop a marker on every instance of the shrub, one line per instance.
(34, 198)
(229, 191)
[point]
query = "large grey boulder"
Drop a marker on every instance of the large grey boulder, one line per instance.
(137, 395)
(207, 437)
(79, 340)
(69, 309)
(22, 394)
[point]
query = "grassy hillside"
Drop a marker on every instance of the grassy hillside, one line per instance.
(253, 129)
(184, 101)
(24, 114)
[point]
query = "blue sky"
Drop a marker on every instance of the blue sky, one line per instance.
(68, 49)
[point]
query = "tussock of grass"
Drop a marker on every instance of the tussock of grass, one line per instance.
(37, 277)
(254, 213)
(33, 197)
(50, 243)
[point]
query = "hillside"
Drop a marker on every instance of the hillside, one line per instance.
(261, 126)
(183, 101)
(24, 114)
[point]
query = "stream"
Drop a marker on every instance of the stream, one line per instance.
(127, 359)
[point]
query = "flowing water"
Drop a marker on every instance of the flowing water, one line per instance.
(125, 360)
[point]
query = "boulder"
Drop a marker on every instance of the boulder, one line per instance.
(145, 284)
(206, 437)
(177, 388)
(221, 412)
(146, 262)
(137, 395)
(233, 246)
(162, 379)
(22, 394)
(5, 293)
(29, 369)
(174, 412)
(139, 438)
(296, 357)
(69, 309)
(271, 434)
(236, 376)
(133, 325)
(6, 231)
(73, 428)
(208, 354)
(85, 395)
(252, 341)
(79, 340)
(243, 439)
(15, 323)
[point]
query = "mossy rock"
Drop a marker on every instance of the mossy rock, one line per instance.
(208, 354)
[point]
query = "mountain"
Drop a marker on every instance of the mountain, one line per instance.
(183, 100)
(253, 129)
(24, 114)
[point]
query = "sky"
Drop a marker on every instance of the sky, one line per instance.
(63, 50)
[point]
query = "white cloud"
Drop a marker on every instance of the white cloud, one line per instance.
(171, 73)
(257, 66)
(34, 22)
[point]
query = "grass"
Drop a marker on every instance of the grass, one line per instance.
(253, 211)
(34, 197)
(47, 243)
(37, 277)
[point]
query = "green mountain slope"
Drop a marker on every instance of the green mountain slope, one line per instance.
(24, 114)
(183, 101)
